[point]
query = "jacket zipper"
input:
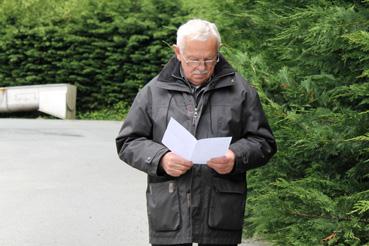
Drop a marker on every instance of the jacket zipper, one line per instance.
(194, 125)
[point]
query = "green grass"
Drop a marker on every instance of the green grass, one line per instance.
(117, 112)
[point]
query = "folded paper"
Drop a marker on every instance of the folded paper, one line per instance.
(183, 143)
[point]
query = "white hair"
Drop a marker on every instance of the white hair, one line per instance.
(197, 29)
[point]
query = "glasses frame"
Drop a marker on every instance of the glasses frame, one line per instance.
(196, 63)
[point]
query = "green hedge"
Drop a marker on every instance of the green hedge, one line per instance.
(108, 49)
(311, 66)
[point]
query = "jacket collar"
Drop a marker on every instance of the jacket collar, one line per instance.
(170, 76)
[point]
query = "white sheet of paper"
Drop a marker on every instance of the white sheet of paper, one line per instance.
(179, 140)
(183, 143)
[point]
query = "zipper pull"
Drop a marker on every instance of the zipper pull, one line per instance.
(188, 199)
(194, 117)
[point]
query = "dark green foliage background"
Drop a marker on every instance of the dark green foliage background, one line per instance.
(108, 49)
(308, 59)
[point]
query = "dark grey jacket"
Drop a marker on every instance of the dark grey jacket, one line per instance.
(202, 205)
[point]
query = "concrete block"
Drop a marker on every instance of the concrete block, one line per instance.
(58, 100)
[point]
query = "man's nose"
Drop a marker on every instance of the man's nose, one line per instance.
(202, 64)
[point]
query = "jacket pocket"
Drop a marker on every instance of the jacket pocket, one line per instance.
(227, 205)
(163, 206)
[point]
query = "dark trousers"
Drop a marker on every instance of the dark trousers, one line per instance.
(190, 244)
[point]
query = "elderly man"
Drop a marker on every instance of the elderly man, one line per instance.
(187, 202)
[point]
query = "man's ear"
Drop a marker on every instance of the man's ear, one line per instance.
(174, 47)
(177, 51)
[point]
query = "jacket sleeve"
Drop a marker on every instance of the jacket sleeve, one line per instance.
(134, 142)
(257, 145)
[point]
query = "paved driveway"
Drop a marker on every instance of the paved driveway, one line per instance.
(61, 183)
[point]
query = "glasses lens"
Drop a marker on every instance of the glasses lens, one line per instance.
(196, 63)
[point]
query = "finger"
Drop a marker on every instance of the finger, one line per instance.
(188, 164)
(184, 162)
(186, 168)
(220, 168)
(217, 164)
(227, 169)
(184, 165)
(219, 160)
(180, 167)
(214, 166)
(174, 173)
(223, 172)
(180, 172)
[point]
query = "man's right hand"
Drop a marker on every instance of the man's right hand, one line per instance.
(175, 165)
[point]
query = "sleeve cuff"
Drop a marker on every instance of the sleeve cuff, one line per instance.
(240, 163)
(154, 167)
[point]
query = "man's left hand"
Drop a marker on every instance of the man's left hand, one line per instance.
(223, 164)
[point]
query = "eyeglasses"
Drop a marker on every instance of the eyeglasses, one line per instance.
(196, 63)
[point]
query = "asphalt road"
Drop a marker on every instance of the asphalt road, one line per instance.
(62, 184)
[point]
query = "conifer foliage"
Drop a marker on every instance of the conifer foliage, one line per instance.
(309, 60)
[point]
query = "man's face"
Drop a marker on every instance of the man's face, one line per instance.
(196, 59)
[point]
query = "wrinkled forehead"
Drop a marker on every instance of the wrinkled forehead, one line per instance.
(201, 48)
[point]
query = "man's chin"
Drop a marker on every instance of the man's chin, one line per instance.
(198, 82)
(198, 79)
